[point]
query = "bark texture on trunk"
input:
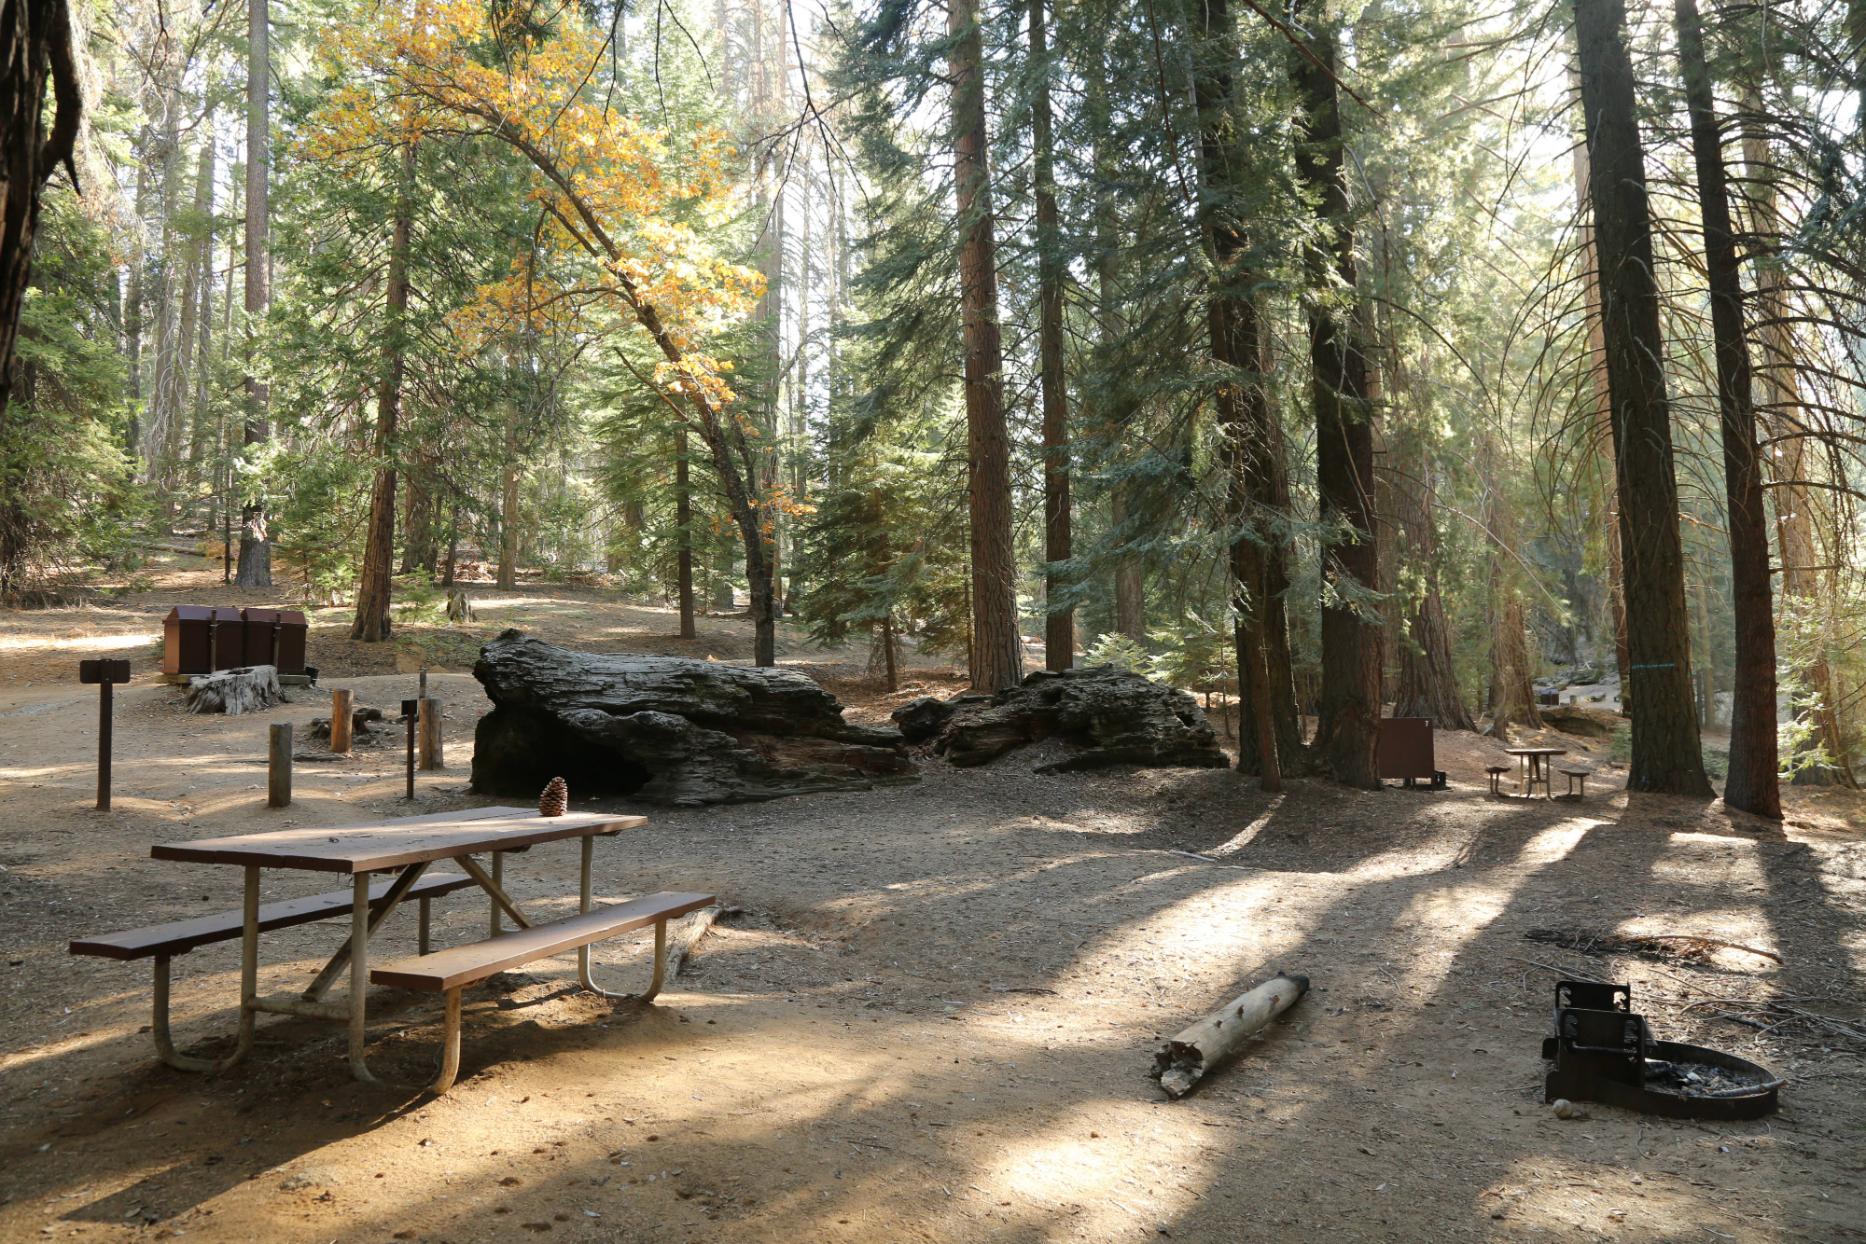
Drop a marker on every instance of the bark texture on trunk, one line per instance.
(1348, 721)
(1059, 628)
(997, 659)
(1666, 752)
(1600, 395)
(37, 51)
(1428, 679)
(1752, 784)
(1796, 504)
(1243, 407)
(255, 541)
(372, 623)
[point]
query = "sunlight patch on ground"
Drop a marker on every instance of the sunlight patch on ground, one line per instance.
(1707, 860)
(78, 643)
(1242, 838)
(1079, 1179)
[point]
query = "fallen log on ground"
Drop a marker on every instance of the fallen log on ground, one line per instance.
(1189, 1056)
(684, 937)
(244, 690)
(1103, 716)
(666, 729)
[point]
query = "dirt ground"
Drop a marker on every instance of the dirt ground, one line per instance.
(934, 1017)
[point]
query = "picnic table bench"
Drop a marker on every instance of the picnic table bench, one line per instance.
(407, 847)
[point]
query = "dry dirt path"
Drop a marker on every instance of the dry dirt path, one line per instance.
(934, 1018)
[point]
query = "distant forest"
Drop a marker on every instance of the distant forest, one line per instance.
(1342, 358)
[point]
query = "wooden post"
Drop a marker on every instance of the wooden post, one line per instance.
(341, 721)
(104, 706)
(430, 715)
(104, 673)
(279, 765)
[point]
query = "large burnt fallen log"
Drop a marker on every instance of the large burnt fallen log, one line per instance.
(666, 729)
(1106, 716)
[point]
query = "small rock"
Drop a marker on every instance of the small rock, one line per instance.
(1565, 1109)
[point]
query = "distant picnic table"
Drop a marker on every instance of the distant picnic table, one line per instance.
(406, 847)
(1533, 767)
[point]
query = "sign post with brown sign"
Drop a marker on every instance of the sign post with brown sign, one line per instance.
(105, 674)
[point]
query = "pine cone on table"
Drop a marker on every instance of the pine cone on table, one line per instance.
(555, 800)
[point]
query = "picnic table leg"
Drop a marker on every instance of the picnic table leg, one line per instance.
(333, 967)
(450, 1046)
(359, 975)
(583, 952)
(498, 880)
(249, 989)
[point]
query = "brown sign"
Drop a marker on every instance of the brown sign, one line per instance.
(103, 671)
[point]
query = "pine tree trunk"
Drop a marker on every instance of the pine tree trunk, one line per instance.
(1348, 722)
(255, 540)
(1059, 628)
(373, 592)
(507, 576)
(997, 651)
(683, 523)
(1428, 679)
(200, 420)
(1512, 687)
(1796, 504)
(1666, 752)
(1242, 405)
(1752, 784)
(1601, 424)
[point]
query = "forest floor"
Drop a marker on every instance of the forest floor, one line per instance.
(934, 1017)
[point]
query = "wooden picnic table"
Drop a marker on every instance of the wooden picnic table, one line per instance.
(406, 846)
(1533, 767)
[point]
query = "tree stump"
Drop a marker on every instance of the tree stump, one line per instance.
(244, 690)
(666, 729)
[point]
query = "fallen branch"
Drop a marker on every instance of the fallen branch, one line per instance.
(687, 932)
(1205, 1045)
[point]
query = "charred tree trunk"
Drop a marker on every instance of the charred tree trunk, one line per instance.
(372, 622)
(1348, 722)
(1752, 784)
(997, 659)
(1243, 409)
(255, 541)
(1666, 752)
(1059, 628)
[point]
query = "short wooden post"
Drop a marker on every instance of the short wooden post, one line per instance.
(409, 708)
(279, 765)
(341, 721)
(430, 715)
